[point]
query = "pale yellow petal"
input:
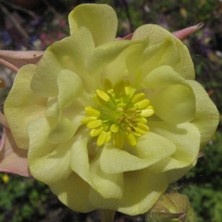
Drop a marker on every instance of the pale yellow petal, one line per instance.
(207, 115)
(74, 193)
(177, 55)
(99, 19)
(47, 162)
(150, 149)
(22, 106)
(142, 189)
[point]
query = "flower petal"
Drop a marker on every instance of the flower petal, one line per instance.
(70, 88)
(79, 156)
(148, 188)
(107, 185)
(177, 52)
(150, 149)
(74, 193)
(48, 162)
(100, 20)
(105, 54)
(186, 138)
(22, 106)
(205, 111)
(63, 131)
(65, 54)
(173, 99)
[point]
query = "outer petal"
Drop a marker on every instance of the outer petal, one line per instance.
(207, 116)
(22, 106)
(100, 20)
(107, 185)
(48, 163)
(155, 35)
(65, 54)
(74, 193)
(142, 190)
(150, 149)
(173, 99)
(148, 188)
(186, 137)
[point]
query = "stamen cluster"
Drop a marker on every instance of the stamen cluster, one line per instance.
(120, 115)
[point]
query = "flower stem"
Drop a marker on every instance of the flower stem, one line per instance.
(107, 215)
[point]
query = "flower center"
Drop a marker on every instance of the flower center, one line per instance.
(120, 115)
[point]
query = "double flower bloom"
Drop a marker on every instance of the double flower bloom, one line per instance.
(103, 117)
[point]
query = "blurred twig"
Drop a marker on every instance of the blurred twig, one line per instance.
(16, 7)
(50, 8)
(126, 8)
(14, 22)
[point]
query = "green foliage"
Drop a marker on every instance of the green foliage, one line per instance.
(22, 199)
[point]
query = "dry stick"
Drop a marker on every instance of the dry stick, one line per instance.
(19, 8)
(126, 6)
(14, 22)
(50, 8)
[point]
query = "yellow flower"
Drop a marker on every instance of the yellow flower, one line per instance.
(5, 178)
(109, 123)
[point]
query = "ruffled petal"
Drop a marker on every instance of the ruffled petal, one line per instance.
(48, 162)
(150, 149)
(186, 138)
(173, 99)
(22, 106)
(74, 193)
(64, 54)
(207, 115)
(100, 20)
(79, 156)
(63, 130)
(108, 185)
(70, 88)
(177, 55)
(104, 55)
(142, 190)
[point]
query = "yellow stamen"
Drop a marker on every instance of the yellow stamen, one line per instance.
(114, 128)
(90, 111)
(101, 138)
(120, 115)
(88, 119)
(94, 124)
(138, 97)
(96, 132)
(142, 104)
(131, 139)
(102, 95)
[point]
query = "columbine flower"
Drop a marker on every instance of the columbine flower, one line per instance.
(110, 123)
